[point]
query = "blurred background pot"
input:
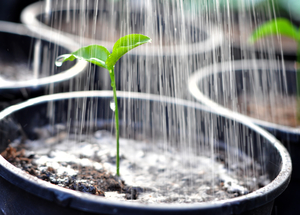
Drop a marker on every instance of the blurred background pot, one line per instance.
(254, 82)
(27, 66)
(180, 43)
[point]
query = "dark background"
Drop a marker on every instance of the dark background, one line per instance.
(10, 10)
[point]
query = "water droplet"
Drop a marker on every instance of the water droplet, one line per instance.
(60, 59)
(112, 105)
(57, 63)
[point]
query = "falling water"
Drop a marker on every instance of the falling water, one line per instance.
(187, 36)
(36, 61)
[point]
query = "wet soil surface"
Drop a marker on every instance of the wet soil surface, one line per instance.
(88, 179)
(148, 174)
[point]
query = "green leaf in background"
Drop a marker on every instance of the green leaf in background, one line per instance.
(124, 45)
(278, 26)
(94, 54)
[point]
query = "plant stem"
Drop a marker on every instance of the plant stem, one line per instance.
(113, 84)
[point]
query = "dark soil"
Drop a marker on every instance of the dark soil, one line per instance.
(97, 182)
(91, 181)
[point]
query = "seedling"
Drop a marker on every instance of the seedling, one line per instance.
(100, 56)
(282, 27)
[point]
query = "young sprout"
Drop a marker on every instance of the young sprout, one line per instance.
(282, 27)
(100, 56)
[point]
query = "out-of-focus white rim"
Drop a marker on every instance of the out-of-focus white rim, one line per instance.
(214, 36)
(21, 30)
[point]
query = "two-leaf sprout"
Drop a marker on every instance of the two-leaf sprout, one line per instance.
(284, 27)
(100, 56)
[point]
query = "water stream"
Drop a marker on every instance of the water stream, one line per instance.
(187, 35)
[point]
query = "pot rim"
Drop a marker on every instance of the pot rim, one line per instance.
(253, 200)
(21, 30)
(215, 38)
(238, 65)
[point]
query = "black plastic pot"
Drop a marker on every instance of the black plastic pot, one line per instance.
(23, 50)
(179, 42)
(140, 114)
(223, 83)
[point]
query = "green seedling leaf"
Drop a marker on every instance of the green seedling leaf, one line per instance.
(279, 26)
(94, 54)
(124, 45)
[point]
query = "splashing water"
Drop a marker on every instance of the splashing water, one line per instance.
(59, 60)
(112, 105)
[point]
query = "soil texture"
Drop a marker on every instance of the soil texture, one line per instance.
(149, 173)
(88, 179)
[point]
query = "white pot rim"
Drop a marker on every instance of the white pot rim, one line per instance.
(19, 29)
(214, 38)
